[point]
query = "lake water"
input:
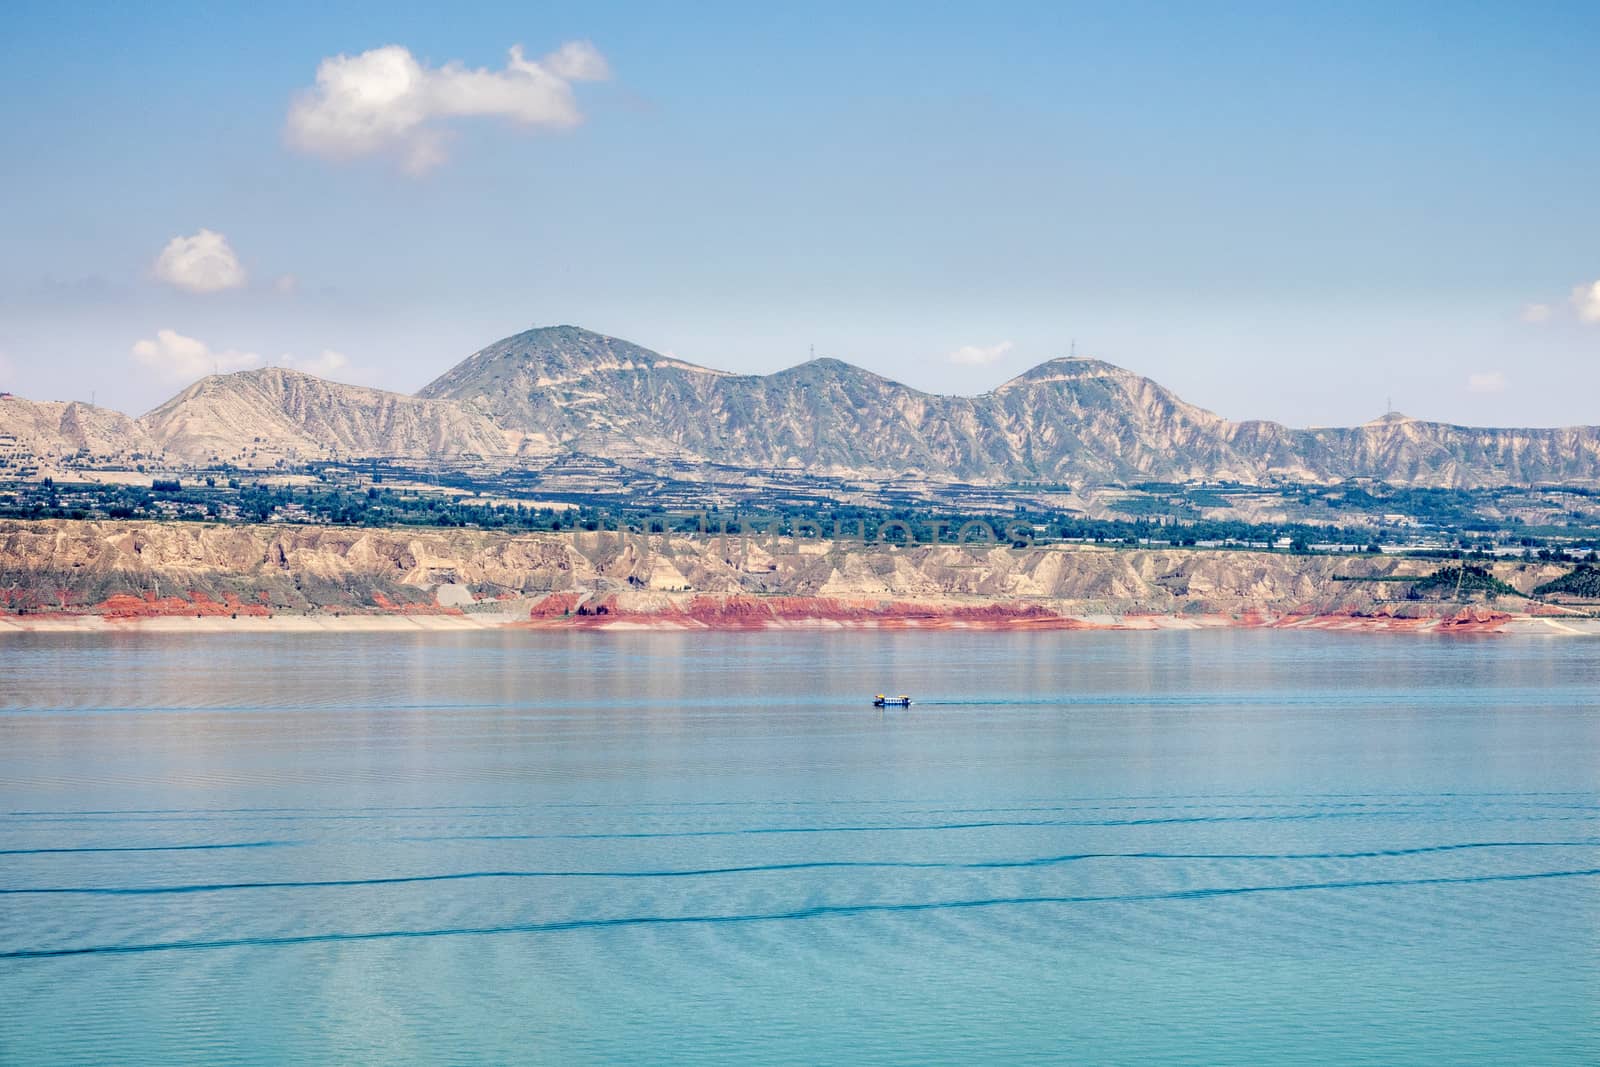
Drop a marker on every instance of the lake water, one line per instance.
(1227, 847)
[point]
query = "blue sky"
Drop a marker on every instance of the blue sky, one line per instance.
(1288, 211)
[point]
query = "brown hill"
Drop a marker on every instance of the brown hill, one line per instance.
(49, 429)
(226, 417)
(567, 390)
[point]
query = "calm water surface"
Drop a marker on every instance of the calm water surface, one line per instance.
(1113, 848)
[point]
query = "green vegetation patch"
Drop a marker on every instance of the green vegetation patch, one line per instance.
(1465, 580)
(1582, 582)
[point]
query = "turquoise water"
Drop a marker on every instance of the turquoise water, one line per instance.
(1235, 847)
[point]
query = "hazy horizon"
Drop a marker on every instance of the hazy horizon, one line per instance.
(1284, 213)
(338, 375)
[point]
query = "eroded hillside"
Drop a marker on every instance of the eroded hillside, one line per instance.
(565, 391)
(120, 568)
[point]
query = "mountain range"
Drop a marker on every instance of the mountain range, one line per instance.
(562, 390)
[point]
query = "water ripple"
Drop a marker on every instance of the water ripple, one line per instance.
(988, 824)
(765, 868)
(818, 911)
(141, 848)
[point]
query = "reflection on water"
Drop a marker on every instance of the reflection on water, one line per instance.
(1178, 848)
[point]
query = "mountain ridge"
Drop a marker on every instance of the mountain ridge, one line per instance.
(564, 389)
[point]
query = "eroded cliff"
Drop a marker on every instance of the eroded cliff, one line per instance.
(129, 569)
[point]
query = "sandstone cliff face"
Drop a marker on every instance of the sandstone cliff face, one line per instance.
(81, 566)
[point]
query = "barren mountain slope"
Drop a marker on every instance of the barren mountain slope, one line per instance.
(49, 428)
(226, 416)
(1068, 420)
(565, 389)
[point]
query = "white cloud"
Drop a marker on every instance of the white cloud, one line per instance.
(202, 263)
(325, 365)
(178, 358)
(286, 285)
(1586, 299)
(1487, 382)
(575, 61)
(386, 101)
(1537, 313)
(978, 355)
